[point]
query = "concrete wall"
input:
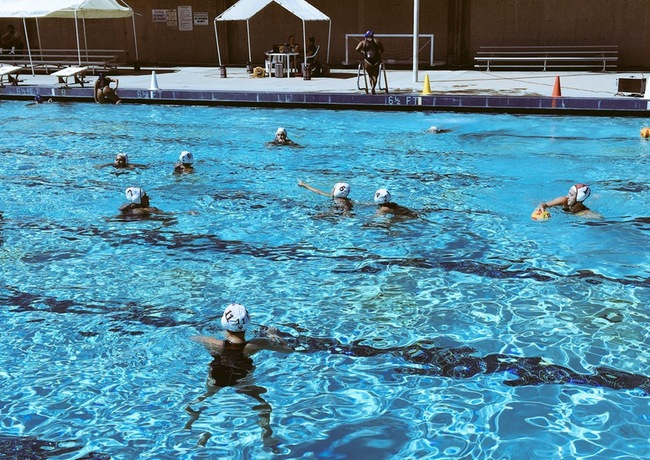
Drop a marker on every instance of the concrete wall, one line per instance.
(459, 26)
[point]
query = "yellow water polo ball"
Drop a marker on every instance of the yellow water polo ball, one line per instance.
(540, 214)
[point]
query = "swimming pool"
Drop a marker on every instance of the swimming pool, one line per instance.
(97, 309)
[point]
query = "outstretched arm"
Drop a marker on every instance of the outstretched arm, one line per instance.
(272, 341)
(313, 189)
(559, 201)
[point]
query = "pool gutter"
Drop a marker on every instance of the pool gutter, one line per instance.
(332, 100)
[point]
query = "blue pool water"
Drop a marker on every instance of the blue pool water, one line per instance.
(96, 310)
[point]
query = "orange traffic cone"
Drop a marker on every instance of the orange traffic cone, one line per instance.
(557, 92)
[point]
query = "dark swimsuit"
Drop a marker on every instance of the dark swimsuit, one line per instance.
(103, 83)
(228, 368)
(371, 53)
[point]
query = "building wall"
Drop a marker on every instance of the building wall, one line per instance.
(459, 27)
(563, 22)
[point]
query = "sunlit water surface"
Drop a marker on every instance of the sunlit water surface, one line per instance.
(96, 310)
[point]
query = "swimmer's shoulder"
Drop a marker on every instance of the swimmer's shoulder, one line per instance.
(134, 210)
(214, 346)
(588, 214)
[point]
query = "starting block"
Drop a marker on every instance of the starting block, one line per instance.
(77, 73)
(12, 72)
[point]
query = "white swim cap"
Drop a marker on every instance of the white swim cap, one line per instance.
(382, 196)
(134, 194)
(123, 155)
(581, 191)
(186, 158)
(341, 190)
(281, 131)
(235, 318)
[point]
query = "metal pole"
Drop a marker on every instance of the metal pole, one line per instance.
(83, 22)
(248, 32)
(76, 28)
(416, 34)
(29, 49)
(135, 35)
(216, 35)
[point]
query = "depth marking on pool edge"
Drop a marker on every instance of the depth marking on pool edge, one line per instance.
(403, 100)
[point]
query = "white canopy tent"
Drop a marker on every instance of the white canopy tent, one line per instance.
(72, 9)
(244, 10)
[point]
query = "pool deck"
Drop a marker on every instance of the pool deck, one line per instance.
(589, 93)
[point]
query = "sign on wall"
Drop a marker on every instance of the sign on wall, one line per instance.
(169, 17)
(185, 18)
(200, 18)
(159, 15)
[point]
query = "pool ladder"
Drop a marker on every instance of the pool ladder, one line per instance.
(382, 71)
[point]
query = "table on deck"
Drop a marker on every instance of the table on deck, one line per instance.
(285, 58)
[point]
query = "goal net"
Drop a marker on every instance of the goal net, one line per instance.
(398, 48)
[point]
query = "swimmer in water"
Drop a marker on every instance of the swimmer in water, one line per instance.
(385, 205)
(232, 362)
(38, 99)
(436, 130)
(122, 162)
(573, 202)
(184, 165)
(339, 195)
(139, 205)
(281, 138)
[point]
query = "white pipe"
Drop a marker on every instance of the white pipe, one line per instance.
(76, 29)
(29, 49)
(216, 36)
(83, 22)
(38, 35)
(329, 39)
(248, 32)
(304, 41)
(416, 34)
(135, 34)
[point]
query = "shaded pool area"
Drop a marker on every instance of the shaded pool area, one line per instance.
(469, 331)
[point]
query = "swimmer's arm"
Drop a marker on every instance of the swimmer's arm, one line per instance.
(271, 342)
(559, 201)
(214, 346)
(313, 189)
(117, 83)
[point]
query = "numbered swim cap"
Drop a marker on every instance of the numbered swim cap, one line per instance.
(235, 318)
(186, 158)
(341, 190)
(581, 192)
(124, 156)
(135, 194)
(370, 34)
